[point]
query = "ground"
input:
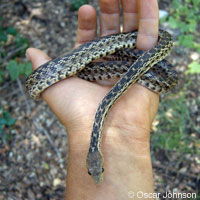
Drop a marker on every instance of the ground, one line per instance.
(33, 164)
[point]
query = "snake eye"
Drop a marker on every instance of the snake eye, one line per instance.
(102, 169)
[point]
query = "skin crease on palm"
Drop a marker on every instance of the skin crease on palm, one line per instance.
(126, 134)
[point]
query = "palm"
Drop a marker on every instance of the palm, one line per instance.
(78, 99)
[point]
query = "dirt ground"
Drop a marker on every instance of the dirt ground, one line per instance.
(33, 166)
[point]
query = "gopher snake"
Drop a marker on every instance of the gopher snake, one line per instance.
(132, 68)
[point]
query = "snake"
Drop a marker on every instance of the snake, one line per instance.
(112, 56)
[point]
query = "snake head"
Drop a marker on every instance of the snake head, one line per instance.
(95, 166)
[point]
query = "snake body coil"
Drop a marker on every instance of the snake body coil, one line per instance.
(146, 68)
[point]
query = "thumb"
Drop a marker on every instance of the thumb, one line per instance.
(37, 57)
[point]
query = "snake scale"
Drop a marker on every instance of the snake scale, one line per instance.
(121, 60)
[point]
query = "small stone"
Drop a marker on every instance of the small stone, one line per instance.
(163, 13)
(194, 56)
(56, 182)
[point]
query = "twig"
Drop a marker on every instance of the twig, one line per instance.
(13, 53)
(28, 109)
(4, 5)
(11, 93)
(5, 85)
(42, 130)
(175, 171)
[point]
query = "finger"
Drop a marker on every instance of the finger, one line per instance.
(37, 57)
(87, 25)
(130, 15)
(148, 24)
(110, 17)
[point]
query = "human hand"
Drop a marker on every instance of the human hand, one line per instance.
(74, 101)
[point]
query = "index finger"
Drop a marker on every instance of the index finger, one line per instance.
(148, 24)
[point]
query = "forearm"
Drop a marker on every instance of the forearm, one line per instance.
(127, 164)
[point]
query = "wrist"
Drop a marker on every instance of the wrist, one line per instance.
(131, 138)
(127, 161)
